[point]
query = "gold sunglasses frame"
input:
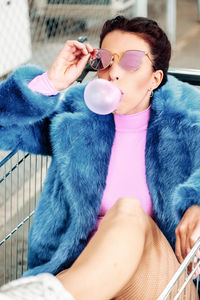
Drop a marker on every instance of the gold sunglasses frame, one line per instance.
(119, 57)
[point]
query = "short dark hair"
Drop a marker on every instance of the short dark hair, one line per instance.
(150, 32)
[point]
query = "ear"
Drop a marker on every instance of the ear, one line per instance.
(157, 78)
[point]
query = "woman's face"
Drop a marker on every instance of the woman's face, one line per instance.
(136, 86)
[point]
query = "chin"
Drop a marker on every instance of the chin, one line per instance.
(118, 112)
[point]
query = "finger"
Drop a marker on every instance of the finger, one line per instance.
(82, 46)
(72, 57)
(75, 55)
(188, 244)
(197, 273)
(189, 268)
(194, 236)
(184, 245)
(79, 54)
(183, 233)
(178, 249)
(188, 250)
(196, 263)
(82, 63)
(89, 48)
(72, 48)
(198, 254)
(79, 46)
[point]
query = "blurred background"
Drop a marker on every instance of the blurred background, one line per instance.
(33, 31)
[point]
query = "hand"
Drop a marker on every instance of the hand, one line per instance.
(187, 232)
(69, 64)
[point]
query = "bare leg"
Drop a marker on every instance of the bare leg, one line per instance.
(128, 258)
(106, 264)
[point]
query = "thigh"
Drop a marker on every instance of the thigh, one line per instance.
(155, 270)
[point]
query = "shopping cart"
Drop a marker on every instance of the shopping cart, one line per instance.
(21, 181)
(180, 286)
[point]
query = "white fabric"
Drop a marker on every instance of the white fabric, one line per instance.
(40, 287)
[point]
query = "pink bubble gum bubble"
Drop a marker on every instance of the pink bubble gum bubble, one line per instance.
(102, 96)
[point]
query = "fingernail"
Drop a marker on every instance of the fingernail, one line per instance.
(188, 250)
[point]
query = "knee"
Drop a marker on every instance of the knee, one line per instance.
(127, 206)
(129, 211)
(126, 211)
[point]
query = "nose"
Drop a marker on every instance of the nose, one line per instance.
(114, 70)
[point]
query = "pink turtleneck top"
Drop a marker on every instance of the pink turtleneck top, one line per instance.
(126, 172)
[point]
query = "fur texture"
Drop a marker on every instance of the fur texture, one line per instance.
(80, 143)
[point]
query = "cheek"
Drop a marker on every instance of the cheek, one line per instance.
(102, 74)
(140, 82)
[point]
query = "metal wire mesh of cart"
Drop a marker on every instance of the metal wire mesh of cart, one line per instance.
(180, 286)
(21, 180)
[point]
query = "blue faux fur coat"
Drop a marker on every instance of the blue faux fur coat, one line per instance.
(80, 142)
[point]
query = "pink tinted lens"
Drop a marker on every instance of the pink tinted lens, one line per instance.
(131, 60)
(101, 59)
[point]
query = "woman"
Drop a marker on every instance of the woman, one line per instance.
(152, 151)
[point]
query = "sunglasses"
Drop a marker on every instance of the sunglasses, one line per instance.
(129, 60)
